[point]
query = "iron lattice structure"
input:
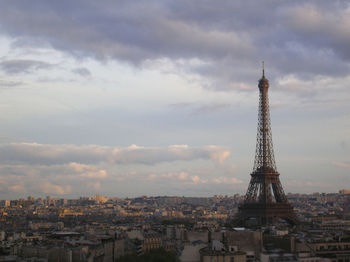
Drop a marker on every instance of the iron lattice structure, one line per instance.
(265, 198)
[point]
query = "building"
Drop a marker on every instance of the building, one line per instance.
(216, 251)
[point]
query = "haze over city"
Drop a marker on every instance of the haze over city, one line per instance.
(131, 98)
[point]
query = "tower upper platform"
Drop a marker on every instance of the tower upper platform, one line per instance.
(263, 82)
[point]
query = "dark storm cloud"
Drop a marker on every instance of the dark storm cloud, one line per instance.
(294, 37)
(22, 66)
(130, 31)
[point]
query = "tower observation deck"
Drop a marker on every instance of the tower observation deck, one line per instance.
(265, 199)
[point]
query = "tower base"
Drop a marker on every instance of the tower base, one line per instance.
(266, 213)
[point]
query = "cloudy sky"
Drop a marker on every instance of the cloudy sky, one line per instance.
(149, 97)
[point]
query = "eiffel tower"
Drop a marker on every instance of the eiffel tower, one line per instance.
(265, 199)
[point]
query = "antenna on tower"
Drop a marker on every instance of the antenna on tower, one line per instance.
(263, 69)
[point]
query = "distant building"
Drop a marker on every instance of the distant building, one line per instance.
(5, 203)
(2, 235)
(335, 251)
(216, 251)
(151, 241)
(278, 257)
(101, 199)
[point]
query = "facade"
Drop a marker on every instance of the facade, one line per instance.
(334, 251)
(218, 252)
(278, 257)
(151, 241)
(232, 246)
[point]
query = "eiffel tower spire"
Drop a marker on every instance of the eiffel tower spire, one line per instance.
(265, 198)
(264, 156)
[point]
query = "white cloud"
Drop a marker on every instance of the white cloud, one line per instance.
(17, 188)
(183, 176)
(33, 153)
(342, 164)
(49, 188)
(195, 179)
(100, 174)
(94, 186)
(227, 180)
(50, 179)
(88, 171)
(190, 178)
(218, 154)
(72, 169)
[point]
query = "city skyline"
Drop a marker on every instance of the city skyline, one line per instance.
(161, 98)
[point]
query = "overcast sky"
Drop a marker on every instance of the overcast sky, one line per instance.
(149, 97)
